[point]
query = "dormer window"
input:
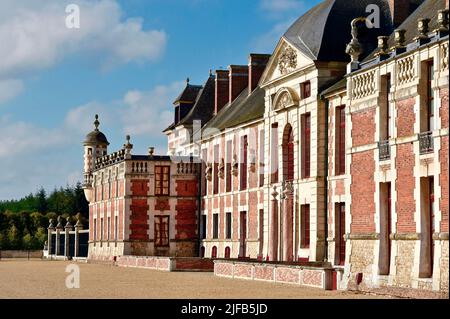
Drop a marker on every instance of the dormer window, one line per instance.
(305, 90)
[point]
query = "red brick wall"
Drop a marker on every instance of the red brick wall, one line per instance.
(405, 117)
(186, 188)
(362, 189)
(252, 216)
(363, 127)
(139, 187)
(405, 205)
(443, 181)
(139, 219)
(444, 107)
(186, 219)
(121, 220)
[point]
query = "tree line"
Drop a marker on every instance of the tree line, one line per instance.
(24, 222)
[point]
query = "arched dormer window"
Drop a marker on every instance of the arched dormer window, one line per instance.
(285, 98)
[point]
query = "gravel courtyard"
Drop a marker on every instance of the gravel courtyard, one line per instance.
(46, 279)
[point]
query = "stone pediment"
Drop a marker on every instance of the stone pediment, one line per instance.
(285, 60)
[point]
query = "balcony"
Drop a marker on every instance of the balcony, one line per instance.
(426, 142)
(384, 150)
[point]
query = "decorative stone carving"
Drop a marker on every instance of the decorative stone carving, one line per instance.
(444, 56)
(354, 48)
(208, 172)
(287, 60)
(235, 166)
(284, 101)
(221, 172)
(274, 193)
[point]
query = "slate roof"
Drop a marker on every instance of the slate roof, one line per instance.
(339, 85)
(428, 9)
(189, 93)
(243, 109)
(324, 31)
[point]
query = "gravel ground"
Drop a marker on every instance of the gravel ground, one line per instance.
(46, 279)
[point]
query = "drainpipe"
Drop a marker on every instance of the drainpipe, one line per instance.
(199, 199)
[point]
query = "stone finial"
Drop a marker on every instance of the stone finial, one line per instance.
(51, 225)
(382, 46)
(68, 224)
(96, 122)
(422, 28)
(187, 80)
(442, 20)
(274, 193)
(59, 225)
(288, 188)
(128, 146)
(399, 37)
(79, 224)
(354, 48)
(151, 151)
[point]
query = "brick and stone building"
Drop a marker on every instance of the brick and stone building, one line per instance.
(143, 205)
(329, 156)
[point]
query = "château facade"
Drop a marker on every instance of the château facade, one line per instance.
(331, 150)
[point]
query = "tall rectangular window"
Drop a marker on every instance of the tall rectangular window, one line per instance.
(385, 229)
(161, 231)
(427, 220)
(306, 145)
(274, 154)
(430, 96)
(305, 226)
(228, 165)
(243, 175)
(261, 232)
(95, 229)
(108, 229)
(203, 229)
(215, 226)
(204, 181)
(116, 228)
(340, 140)
(216, 170)
(162, 186)
(305, 89)
(385, 114)
(261, 158)
(101, 229)
(340, 232)
(228, 225)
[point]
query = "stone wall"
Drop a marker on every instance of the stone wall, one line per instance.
(20, 254)
(166, 263)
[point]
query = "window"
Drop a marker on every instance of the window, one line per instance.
(101, 229)
(428, 228)
(161, 231)
(385, 229)
(116, 228)
(203, 229)
(214, 252)
(95, 229)
(228, 223)
(261, 231)
(89, 151)
(385, 115)
(306, 145)
(340, 232)
(261, 158)
(243, 175)
(216, 169)
(227, 252)
(305, 226)
(430, 96)
(340, 140)
(215, 226)
(204, 161)
(109, 228)
(274, 155)
(305, 89)
(228, 165)
(162, 180)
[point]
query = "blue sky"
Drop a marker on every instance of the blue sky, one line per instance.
(127, 62)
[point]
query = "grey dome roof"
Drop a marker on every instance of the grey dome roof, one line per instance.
(96, 137)
(324, 31)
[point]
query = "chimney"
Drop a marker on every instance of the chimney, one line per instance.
(221, 90)
(401, 9)
(238, 80)
(256, 65)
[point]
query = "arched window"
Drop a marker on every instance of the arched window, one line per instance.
(202, 251)
(214, 252)
(288, 153)
(227, 252)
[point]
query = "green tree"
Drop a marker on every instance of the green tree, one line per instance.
(41, 200)
(14, 237)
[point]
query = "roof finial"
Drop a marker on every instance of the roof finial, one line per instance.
(96, 122)
(187, 80)
(210, 72)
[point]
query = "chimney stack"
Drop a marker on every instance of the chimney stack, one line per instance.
(256, 65)
(221, 94)
(238, 80)
(400, 10)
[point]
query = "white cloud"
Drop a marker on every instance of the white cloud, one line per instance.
(9, 89)
(149, 112)
(33, 36)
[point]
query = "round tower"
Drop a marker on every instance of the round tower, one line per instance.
(95, 146)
